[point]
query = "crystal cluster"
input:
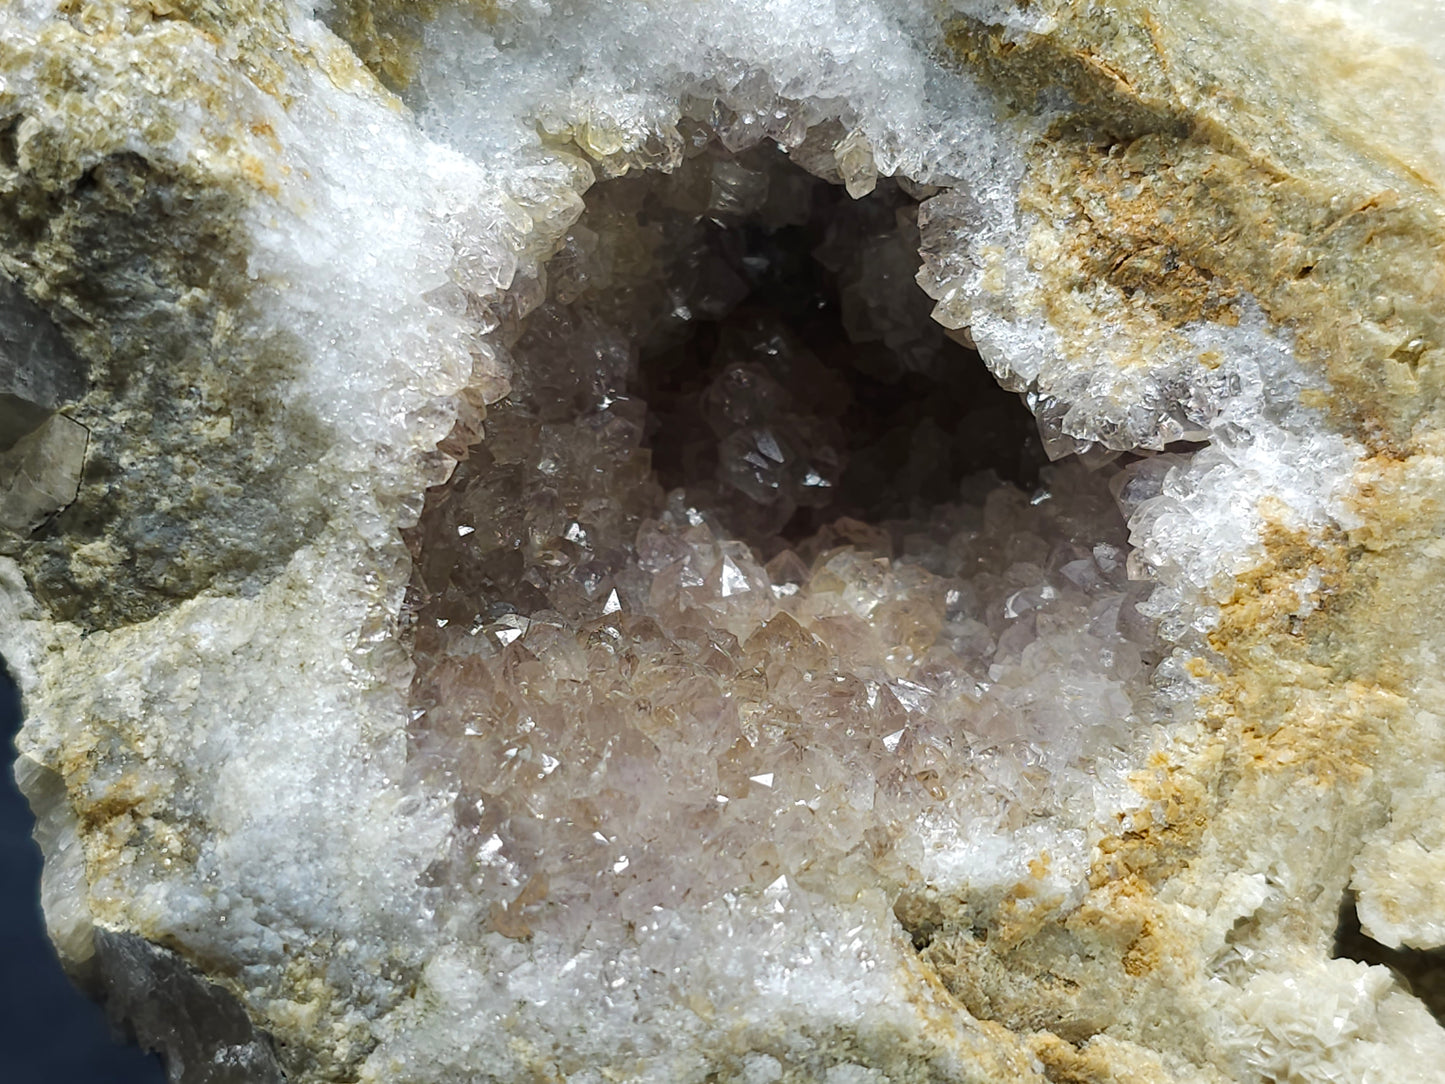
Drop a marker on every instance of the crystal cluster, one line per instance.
(643, 700)
(731, 540)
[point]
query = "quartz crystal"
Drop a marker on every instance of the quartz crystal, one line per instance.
(732, 541)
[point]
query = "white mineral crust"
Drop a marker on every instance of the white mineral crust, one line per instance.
(562, 774)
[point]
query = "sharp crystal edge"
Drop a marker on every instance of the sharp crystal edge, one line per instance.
(38, 371)
(760, 542)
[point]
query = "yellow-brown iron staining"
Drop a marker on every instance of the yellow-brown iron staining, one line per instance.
(1279, 720)
(387, 34)
(1160, 200)
(83, 212)
(1100, 1061)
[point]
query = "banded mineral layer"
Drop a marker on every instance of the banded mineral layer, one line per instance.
(732, 541)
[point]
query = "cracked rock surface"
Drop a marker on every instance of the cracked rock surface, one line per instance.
(732, 541)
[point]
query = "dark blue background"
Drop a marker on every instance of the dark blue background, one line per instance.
(49, 1032)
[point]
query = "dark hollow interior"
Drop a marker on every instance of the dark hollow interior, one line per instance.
(894, 416)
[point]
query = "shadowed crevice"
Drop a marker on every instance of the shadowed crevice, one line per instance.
(1420, 971)
(156, 998)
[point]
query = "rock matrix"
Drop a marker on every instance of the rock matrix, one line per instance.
(732, 541)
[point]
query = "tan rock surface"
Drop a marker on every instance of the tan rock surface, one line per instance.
(716, 718)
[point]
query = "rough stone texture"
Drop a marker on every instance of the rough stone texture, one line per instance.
(38, 371)
(42, 454)
(40, 474)
(721, 717)
(200, 1030)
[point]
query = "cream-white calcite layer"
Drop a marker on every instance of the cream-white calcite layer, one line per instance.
(587, 763)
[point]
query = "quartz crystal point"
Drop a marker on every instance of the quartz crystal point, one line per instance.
(38, 371)
(724, 541)
(41, 452)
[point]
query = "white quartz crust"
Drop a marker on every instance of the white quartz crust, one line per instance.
(231, 778)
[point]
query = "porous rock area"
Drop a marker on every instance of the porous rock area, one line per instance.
(732, 541)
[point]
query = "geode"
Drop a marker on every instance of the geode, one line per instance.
(730, 541)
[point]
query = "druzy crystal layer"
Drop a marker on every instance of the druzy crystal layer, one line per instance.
(732, 542)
